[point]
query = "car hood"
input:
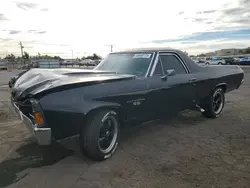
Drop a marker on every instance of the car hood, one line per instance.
(37, 80)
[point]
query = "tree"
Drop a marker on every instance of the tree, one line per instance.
(247, 50)
(96, 57)
(26, 56)
(57, 57)
(202, 55)
(10, 58)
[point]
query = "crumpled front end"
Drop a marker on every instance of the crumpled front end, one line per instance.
(31, 114)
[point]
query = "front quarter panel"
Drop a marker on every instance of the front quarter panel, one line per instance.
(65, 111)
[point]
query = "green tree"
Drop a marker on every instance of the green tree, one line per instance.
(10, 58)
(202, 55)
(247, 50)
(26, 56)
(95, 56)
(57, 57)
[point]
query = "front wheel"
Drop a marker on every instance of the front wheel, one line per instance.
(215, 104)
(99, 136)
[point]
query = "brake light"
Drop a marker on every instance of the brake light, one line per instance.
(39, 118)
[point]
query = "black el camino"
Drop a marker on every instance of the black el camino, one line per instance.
(126, 88)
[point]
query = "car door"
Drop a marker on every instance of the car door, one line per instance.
(170, 94)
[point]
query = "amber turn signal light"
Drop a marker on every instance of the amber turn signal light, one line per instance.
(39, 118)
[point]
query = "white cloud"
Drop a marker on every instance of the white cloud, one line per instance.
(87, 26)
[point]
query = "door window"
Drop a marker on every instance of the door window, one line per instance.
(168, 62)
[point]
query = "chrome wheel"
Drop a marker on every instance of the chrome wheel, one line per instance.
(218, 102)
(108, 133)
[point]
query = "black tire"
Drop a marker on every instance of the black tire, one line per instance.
(219, 63)
(206, 63)
(91, 142)
(213, 110)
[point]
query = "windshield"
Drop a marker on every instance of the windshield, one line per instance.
(126, 63)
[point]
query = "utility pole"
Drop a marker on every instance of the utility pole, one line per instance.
(21, 45)
(111, 47)
(72, 56)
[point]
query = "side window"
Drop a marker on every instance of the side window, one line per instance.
(172, 62)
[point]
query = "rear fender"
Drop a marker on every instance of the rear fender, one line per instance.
(222, 85)
(205, 100)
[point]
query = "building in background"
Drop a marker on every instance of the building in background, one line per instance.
(46, 63)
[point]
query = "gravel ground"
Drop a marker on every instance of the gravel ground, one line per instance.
(6, 75)
(187, 151)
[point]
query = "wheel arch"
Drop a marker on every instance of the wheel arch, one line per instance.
(221, 85)
(112, 106)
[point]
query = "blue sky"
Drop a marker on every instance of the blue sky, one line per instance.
(57, 27)
(241, 34)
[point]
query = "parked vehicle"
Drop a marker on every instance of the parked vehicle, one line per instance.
(244, 61)
(87, 62)
(200, 61)
(215, 61)
(25, 67)
(230, 61)
(126, 88)
(3, 65)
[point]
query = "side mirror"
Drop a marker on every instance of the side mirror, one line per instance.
(170, 72)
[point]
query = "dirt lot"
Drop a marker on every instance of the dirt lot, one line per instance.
(188, 151)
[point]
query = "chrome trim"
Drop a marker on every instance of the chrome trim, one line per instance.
(150, 64)
(169, 53)
(43, 135)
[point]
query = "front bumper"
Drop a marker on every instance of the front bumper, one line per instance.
(43, 135)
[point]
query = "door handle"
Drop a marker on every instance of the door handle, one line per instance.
(192, 79)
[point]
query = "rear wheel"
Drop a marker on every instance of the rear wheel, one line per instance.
(99, 136)
(215, 104)
(219, 63)
(207, 63)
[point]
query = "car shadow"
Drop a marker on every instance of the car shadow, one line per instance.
(181, 120)
(30, 156)
(33, 156)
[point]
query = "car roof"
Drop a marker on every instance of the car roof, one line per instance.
(152, 49)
